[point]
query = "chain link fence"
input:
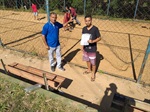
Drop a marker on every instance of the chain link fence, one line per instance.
(124, 27)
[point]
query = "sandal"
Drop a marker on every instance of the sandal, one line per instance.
(92, 79)
(86, 72)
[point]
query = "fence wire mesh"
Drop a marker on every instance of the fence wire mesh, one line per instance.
(124, 27)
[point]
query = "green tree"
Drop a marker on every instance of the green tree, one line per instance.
(78, 5)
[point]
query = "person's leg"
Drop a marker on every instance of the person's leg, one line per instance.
(51, 58)
(58, 58)
(86, 58)
(92, 57)
(71, 26)
(93, 72)
(36, 15)
(77, 21)
(66, 28)
(89, 66)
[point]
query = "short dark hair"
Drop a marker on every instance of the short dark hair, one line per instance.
(67, 6)
(88, 16)
(53, 13)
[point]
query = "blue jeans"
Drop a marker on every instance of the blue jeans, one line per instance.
(51, 56)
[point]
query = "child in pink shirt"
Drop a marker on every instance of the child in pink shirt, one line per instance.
(34, 10)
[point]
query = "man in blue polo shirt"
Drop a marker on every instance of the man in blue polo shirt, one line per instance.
(50, 36)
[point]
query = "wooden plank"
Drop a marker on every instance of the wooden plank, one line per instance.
(26, 75)
(38, 72)
(31, 70)
(140, 105)
(32, 77)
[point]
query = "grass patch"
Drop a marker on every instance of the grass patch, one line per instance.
(14, 99)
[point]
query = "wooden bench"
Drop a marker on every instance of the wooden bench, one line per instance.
(122, 103)
(36, 75)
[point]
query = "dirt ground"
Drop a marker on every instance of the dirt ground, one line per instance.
(18, 30)
(80, 85)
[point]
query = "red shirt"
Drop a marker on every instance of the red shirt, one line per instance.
(34, 8)
(73, 12)
(66, 17)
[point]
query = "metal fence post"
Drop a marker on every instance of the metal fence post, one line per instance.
(3, 4)
(30, 3)
(45, 81)
(47, 10)
(21, 3)
(108, 7)
(144, 62)
(132, 61)
(64, 4)
(16, 4)
(84, 7)
(137, 3)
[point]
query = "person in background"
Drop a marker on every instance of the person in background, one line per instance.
(73, 14)
(24, 5)
(89, 51)
(50, 37)
(35, 11)
(67, 17)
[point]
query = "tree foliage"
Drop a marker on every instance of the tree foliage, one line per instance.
(118, 8)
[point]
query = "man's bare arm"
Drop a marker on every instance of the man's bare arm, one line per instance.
(65, 24)
(94, 41)
(45, 43)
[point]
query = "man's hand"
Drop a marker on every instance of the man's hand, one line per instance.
(90, 41)
(71, 20)
(47, 47)
(82, 49)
